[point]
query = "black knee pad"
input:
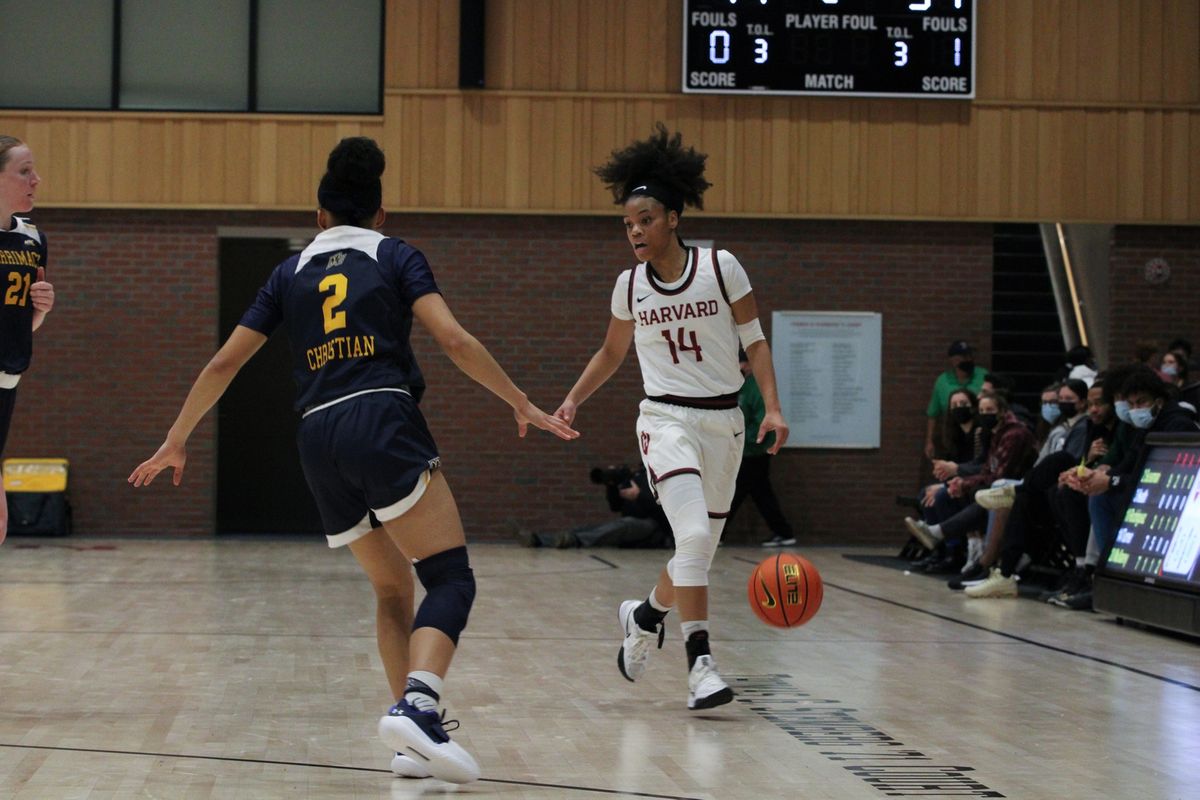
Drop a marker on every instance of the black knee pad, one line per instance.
(449, 592)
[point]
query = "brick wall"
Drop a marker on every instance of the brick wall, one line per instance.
(136, 320)
(1157, 312)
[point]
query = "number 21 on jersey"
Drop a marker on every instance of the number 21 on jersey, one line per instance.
(681, 345)
(18, 289)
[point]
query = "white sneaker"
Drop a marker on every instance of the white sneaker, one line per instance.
(923, 533)
(407, 767)
(705, 687)
(422, 736)
(635, 650)
(998, 497)
(995, 585)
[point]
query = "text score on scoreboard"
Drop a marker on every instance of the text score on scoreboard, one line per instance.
(880, 48)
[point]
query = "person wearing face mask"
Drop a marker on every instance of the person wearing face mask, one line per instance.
(1174, 368)
(955, 513)
(1064, 415)
(963, 373)
(964, 456)
(1144, 403)
(1039, 517)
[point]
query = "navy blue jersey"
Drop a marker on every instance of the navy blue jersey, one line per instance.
(22, 251)
(347, 304)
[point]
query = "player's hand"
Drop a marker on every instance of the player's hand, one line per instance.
(41, 292)
(529, 414)
(566, 412)
(773, 421)
(169, 455)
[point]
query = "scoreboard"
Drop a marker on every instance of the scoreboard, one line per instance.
(873, 48)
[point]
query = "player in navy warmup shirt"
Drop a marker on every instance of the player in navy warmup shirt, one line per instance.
(27, 295)
(348, 303)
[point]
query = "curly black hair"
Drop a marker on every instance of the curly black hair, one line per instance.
(661, 158)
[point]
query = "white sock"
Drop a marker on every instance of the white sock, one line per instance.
(974, 548)
(419, 699)
(936, 530)
(691, 627)
(655, 604)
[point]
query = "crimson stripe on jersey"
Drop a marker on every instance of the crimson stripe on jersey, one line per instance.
(673, 473)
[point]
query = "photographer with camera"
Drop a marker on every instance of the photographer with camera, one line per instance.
(642, 522)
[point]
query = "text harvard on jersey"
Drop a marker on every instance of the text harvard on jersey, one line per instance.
(678, 313)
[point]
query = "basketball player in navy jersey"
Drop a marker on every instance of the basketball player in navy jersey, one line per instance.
(348, 302)
(687, 310)
(27, 295)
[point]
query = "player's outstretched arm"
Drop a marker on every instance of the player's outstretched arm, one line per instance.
(212, 382)
(600, 368)
(470, 356)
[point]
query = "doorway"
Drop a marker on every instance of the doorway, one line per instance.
(260, 486)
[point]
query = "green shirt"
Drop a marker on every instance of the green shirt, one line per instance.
(750, 400)
(946, 384)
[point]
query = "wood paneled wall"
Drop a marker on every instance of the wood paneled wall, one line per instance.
(1086, 110)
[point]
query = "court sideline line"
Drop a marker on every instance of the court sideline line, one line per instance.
(1013, 636)
(340, 767)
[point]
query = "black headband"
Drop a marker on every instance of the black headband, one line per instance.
(349, 203)
(660, 192)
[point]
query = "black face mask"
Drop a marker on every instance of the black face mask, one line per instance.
(961, 415)
(966, 366)
(987, 421)
(1068, 409)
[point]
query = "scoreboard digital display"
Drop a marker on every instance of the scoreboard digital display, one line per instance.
(873, 48)
(1158, 538)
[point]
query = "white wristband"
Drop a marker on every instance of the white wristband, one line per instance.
(750, 333)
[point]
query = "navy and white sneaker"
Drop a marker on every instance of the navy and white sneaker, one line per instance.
(638, 642)
(406, 767)
(421, 735)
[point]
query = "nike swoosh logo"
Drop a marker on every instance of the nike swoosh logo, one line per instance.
(643, 297)
(770, 601)
(739, 433)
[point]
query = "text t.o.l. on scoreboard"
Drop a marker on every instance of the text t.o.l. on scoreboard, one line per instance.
(884, 48)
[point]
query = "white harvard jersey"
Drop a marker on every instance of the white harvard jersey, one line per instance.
(686, 338)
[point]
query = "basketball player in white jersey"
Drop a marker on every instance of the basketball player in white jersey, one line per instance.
(687, 309)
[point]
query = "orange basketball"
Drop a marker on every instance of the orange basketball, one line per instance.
(785, 590)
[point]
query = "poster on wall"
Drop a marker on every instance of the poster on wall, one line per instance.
(828, 366)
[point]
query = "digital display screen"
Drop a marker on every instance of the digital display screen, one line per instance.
(1158, 538)
(892, 48)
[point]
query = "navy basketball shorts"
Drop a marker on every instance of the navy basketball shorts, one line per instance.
(8, 401)
(367, 460)
(675, 440)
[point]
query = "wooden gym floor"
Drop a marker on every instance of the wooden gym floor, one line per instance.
(236, 668)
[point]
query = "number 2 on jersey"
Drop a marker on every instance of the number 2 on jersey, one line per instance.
(336, 284)
(682, 345)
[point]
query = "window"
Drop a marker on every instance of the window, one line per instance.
(203, 55)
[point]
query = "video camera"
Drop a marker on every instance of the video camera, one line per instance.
(612, 476)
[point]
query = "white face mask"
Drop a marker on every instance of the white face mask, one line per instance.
(1121, 409)
(1141, 418)
(1170, 369)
